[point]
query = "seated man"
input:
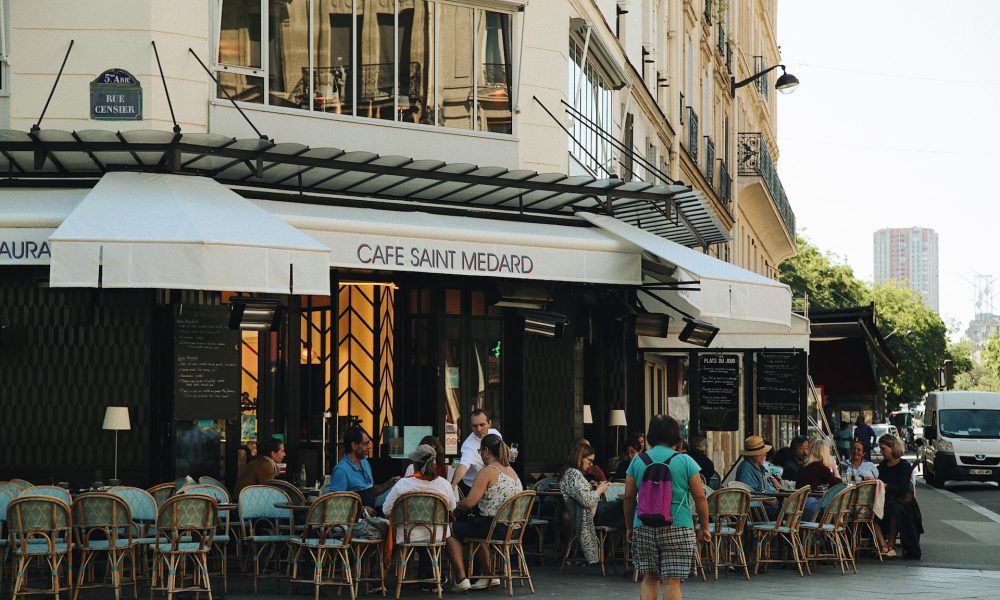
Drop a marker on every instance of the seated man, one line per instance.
(751, 472)
(263, 467)
(800, 449)
(354, 474)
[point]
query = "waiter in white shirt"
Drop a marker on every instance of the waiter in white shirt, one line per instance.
(471, 461)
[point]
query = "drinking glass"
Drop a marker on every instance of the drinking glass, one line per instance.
(513, 451)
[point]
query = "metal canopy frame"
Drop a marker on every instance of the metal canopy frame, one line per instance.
(675, 212)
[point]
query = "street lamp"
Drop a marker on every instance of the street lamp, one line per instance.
(785, 84)
(909, 333)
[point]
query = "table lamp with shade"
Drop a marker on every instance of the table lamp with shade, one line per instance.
(588, 415)
(617, 420)
(116, 419)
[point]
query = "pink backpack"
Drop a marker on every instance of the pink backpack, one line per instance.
(655, 492)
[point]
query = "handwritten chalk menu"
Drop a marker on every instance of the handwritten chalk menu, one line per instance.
(719, 405)
(779, 383)
(206, 364)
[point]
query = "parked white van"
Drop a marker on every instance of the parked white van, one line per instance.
(962, 433)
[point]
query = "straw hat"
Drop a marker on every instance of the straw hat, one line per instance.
(755, 446)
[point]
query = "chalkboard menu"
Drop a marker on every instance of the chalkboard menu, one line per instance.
(719, 405)
(206, 364)
(779, 383)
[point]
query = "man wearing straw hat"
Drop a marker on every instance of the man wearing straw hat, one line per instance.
(752, 472)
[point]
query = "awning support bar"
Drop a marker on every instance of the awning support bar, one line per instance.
(38, 125)
(170, 105)
(236, 106)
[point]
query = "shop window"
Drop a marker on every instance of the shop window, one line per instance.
(374, 59)
(250, 384)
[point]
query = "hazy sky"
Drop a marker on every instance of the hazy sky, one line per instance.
(895, 124)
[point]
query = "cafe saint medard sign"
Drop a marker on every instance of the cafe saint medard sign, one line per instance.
(115, 96)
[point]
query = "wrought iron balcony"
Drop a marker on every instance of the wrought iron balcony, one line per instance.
(755, 161)
(708, 11)
(692, 134)
(709, 159)
(720, 39)
(724, 188)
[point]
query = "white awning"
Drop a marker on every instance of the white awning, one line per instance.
(402, 240)
(148, 230)
(735, 334)
(726, 291)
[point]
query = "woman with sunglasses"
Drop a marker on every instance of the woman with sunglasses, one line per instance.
(495, 483)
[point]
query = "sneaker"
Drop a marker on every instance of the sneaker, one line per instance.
(484, 583)
(461, 586)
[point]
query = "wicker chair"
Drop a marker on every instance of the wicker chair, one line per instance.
(49, 491)
(11, 488)
(209, 480)
(546, 516)
(293, 492)
(40, 531)
(327, 532)
(185, 531)
(862, 518)
(162, 492)
(830, 530)
(506, 534)
(22, 483)
(264, 529)
(225, 532)
(728, 512)
(143, 508)
(785, 528)
(5, 500)
(422, 519)
(102, 524)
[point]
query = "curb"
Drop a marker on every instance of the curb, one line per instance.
(989, 514)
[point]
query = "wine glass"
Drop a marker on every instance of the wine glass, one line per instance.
(513, 451)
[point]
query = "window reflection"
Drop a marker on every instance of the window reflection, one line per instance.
(244, 88)
(456, 64)
(416, 62)
(495, 73)
(239, 34)
(288, 53)
(376, 53)
(334, 74)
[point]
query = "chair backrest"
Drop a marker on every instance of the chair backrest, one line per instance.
(10, 488)
(22, 483)
(187, 515)
(830, 495)
(140, 502)
(219, 493)
(48, 490)
(515, 514)
(838, 508)
(258, 513)
(5, 499)
(715, 481)
(162, 492)
(546, 484)
(739, 485)
(293, 492)
(332, 515)
(615, 491)
(100, 516)
(37, 519)
(791, 510)
(863, 501)
(209, 480)
(422, 512)
(729, 507)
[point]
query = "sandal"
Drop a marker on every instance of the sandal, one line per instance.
(888, 551)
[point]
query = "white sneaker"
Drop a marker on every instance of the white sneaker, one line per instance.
(461, 586)
(483, 584)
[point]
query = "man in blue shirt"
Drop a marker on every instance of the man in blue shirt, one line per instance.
(751, 471)
(354, 474)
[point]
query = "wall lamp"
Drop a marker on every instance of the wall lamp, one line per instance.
(544, 323)
(256, 314)
(785, 84)
(698, 332)
(652, 324)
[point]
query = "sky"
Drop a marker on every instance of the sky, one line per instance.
(895, 124)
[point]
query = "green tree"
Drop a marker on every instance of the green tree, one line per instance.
(918, 338)
(960, 354)
(991, 354)
(816, 275)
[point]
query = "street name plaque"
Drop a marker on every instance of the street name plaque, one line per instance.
(115, 96)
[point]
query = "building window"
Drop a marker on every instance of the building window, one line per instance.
(376, 60)
(591, 96)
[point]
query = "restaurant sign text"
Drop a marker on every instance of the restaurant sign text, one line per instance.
(25, 246)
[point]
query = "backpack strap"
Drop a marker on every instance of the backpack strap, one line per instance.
(644, 457)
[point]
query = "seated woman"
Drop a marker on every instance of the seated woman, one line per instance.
(901, 513)
(819, 470)
(584, 504)
(495, 483)
(442, 468)
(859, 469)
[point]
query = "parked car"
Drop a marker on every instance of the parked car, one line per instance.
(880, 430)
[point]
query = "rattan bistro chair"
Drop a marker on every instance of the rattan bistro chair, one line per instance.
(264, 530)
(162, 492)
(862, 518)
(50, 491)
(185, 532)
(11, 488)
(224, 533)
(22, 483)
(728, 513)
(5, 500)
(422, 519)
(785, 528)
(327, 534)
(506, 534)
(103, 526)
(40, 531)
(826, 539)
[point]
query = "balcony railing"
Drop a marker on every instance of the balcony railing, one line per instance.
(692, 134)
(729, 58)
(764, 83)
(720, 39)
(755, 161)
(724, 188)
(708, 11)
(709, 159)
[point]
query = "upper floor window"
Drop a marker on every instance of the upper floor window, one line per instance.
(592, 97)
(414, 61)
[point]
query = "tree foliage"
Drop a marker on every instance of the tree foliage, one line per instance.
(814, 274)
(960, 354)
(991, 354)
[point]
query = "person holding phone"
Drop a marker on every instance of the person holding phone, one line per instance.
(584, 503)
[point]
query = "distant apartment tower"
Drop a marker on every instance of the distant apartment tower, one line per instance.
(910, 256)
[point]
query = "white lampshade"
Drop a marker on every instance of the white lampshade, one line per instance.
(588, 417)
(116, 418)
(617, 418)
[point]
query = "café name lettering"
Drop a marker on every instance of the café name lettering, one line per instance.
(433, 258)
(24, 250)
(115, 96)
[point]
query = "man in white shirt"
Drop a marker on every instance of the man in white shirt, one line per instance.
(471, 462)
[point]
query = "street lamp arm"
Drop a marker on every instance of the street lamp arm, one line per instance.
(735, 85)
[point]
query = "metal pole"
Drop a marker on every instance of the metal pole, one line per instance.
(38, 125)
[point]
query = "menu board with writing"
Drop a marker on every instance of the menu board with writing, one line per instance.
(206, 364)
(779, 383)
(719, 404)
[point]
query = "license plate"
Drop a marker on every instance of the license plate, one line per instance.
(980, 471)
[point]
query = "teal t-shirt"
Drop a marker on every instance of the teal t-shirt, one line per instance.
(682, 469)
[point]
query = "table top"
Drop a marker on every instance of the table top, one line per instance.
(228, 506)
(786, 493)
(292, 505)
(551, 493)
